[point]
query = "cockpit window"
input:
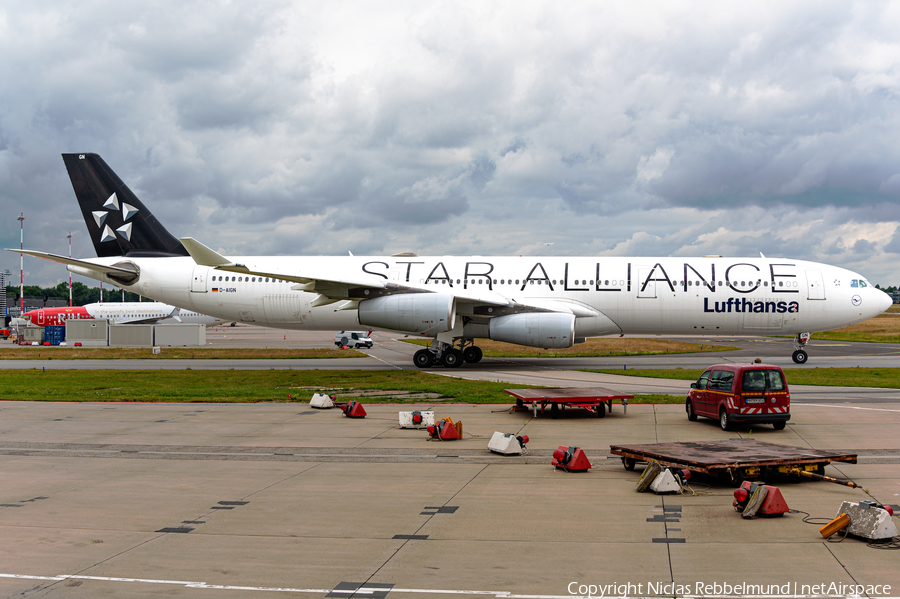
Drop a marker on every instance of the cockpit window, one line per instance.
(854, 283)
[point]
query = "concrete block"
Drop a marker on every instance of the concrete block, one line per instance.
(665, 482)
(407, 419)
(870, 523)
(321, 401)
(505, 443)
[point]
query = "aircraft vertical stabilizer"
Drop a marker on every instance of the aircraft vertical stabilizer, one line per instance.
(119, 224)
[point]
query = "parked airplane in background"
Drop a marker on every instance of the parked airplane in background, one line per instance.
(535, 301)
(120, 313)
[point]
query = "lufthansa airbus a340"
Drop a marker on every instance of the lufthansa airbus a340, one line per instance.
(547, 302)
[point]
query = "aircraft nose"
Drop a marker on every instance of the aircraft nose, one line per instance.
(884, 301)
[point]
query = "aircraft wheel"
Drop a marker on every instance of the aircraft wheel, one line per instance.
(724, 420)
(423, 358)
(452, 358)
(800, 356)
(689, 408)
(472, 354)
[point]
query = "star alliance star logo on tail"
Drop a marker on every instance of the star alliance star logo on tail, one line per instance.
(112, 203)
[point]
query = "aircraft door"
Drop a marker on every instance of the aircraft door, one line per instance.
(815, 284)
(198, 281)
(40, 318)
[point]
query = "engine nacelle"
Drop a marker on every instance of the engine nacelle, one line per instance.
(535, 329)
(422, 313)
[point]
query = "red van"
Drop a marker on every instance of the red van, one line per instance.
(741, 393)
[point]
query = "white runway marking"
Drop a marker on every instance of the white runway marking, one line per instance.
(373, 590)
(828, 405)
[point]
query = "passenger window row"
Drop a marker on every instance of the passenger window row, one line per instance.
(248, 280)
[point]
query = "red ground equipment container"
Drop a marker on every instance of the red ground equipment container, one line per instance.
(570, 459)
(354, 409)
(443, 430)
(773, 503)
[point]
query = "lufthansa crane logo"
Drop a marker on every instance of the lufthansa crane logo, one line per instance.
(856, 300)
(112, 203)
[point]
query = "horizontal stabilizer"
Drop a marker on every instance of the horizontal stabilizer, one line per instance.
(123, 273)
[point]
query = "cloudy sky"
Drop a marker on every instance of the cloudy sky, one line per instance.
(612, 128)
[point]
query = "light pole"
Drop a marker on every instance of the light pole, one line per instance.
(21, 220)
(70, 272)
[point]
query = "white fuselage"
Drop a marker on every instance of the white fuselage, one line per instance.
(121, 313)
(159, 313)
(710, 295)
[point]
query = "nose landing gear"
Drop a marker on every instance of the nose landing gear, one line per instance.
(800, 356)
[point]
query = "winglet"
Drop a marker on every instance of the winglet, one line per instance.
(202, 255)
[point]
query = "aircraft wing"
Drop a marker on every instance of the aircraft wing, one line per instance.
(330, 288)
(352, 290)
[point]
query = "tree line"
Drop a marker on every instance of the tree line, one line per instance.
(81, 293)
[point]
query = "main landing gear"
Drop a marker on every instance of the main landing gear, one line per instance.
(800, 356)
(448, 355)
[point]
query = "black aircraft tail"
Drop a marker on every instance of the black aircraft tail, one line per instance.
(119, 224)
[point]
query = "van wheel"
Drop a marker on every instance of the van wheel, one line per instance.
(724, 420)
(689, 408)
(779, 426)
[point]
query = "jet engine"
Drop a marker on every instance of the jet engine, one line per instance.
(535, 329)
(422, 313)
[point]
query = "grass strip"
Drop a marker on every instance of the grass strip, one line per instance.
(884, 328)
(248, 386)
(170, 353)
(886, 378)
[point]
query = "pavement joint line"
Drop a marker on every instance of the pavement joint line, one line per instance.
(828, 405)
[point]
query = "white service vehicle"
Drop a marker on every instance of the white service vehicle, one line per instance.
(355, 339)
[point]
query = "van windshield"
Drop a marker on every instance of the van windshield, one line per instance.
(762, 380)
